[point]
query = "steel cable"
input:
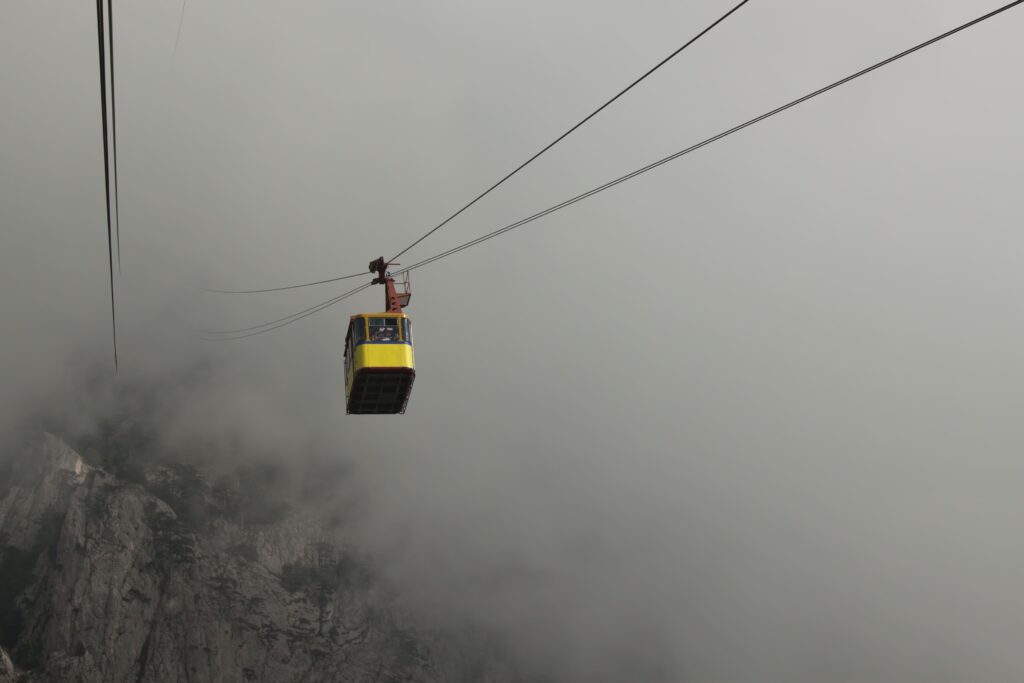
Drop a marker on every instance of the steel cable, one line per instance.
(280, 322)
(529, 219)
(281, 289)
(570, 131)
(518, 168)
(704, 143)
(106, 167)
(113, 131)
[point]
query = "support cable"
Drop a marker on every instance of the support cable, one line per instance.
(113, 131)
(106, 168)
(704, 143)
(281, 289)
(181, 22)
(568, 132)
(529, 219)
(518, 168)
(280, 322)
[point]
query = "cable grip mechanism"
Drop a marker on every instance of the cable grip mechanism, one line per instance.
(396, 297)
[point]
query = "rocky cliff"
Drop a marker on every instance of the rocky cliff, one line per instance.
(172, 578)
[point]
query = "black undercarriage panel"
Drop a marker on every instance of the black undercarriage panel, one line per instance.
(381, 392)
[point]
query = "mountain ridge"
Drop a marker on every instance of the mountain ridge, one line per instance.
(167, 579)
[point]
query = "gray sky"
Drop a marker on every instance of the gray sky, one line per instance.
(752, 417)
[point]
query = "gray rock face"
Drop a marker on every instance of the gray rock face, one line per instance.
(7, 672)
(105, 581)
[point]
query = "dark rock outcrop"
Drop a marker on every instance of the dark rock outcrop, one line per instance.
(105, 581)
(7, 671)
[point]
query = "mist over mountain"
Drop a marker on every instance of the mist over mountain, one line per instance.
(177, 527)
(128, 554)
(752, 416)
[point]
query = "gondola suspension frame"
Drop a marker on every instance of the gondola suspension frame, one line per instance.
(396, 296)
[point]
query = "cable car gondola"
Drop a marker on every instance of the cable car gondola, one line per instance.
(379, 365)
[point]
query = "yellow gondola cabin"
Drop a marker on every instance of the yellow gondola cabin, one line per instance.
(379, 364)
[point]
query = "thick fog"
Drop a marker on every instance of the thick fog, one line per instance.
(754, 416)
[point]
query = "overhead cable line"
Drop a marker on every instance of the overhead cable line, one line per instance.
(280, 322)
(113, 131)
(704, 143)
(281, 289)
(106, 167)
(181, 22)
(568, 132)
(529, 219)
(518, 168)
